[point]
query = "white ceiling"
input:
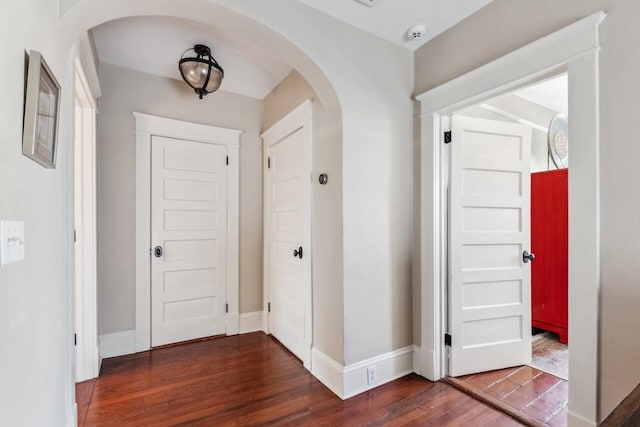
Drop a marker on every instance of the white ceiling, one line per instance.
(390, 19)
(155, 44)
(552, 93)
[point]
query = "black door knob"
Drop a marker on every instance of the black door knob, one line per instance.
(298, 252)
(158, 251)
(526, 257)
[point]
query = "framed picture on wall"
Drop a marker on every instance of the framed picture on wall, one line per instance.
(41, 112)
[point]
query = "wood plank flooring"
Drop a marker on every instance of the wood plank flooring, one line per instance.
(251, 380)
(530, 395)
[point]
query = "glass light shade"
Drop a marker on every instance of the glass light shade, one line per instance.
(195, 74)
(202, 72)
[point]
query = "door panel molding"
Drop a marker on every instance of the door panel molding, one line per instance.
(489, 317)
(146, 127)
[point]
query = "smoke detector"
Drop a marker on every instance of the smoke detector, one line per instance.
(416, 32)
(369, 3)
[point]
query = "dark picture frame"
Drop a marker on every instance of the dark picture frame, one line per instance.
(41, 112)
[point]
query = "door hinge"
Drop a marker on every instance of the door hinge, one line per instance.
(75, 339)
(447, 339)
(226, 308)
(447, 137)
(269, 308)
(268, 162)
(227, 160)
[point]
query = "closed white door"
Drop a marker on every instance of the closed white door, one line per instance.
(489, 281)
(289, 219)
(189, 240)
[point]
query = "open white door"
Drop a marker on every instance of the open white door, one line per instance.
(489, 280)
(288, 231)
(189, 240)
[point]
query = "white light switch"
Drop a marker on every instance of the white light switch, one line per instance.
(11, 241)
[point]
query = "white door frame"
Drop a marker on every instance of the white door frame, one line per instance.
(574, 49)
(87, 91)
(146, 127)
(298, 118)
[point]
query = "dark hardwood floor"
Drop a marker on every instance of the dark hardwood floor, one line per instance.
(251, 380)
(534, 397)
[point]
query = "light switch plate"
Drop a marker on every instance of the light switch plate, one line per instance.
(11, 241)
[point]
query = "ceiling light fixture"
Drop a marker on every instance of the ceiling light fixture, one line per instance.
(201, 72)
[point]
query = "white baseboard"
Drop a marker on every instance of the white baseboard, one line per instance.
(117, 344)
(424, 359)
(348, 381)
(327, 371)
(418, 361)
(389, 366)
(233, 322)
(251, 322)
(72, 416)
(121, 343)
(575, 420)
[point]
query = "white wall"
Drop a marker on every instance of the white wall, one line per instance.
(328, 304)
(36, 299)
(505, 25)
(125, 91)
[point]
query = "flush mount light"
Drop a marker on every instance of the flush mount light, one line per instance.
(201, 72)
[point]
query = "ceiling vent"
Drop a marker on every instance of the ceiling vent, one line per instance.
(369, 3)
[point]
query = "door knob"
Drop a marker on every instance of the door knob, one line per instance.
(526, 257)
(298, 252)
(157, 251)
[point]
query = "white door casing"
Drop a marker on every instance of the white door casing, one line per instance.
(287, 196)
(189, 231)
(149, 127)
(489, 284)
(87, 90)
(575, 50)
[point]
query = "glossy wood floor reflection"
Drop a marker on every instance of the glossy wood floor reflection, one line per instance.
(534, 397)
(251, 380)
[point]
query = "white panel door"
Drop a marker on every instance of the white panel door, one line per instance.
(290, 240)
(189, 233)
(489, 282)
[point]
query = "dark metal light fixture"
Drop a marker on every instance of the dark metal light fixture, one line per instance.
(201, 72)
